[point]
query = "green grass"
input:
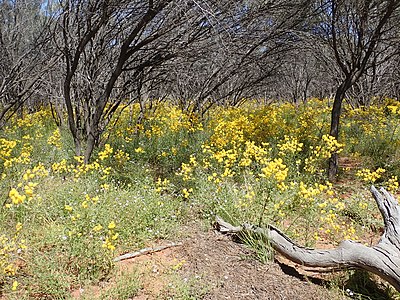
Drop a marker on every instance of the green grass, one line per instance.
(68, 225)
(125, 288)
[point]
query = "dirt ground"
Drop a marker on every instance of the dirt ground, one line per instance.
(231, 271)
(210, 265)
(215, 267)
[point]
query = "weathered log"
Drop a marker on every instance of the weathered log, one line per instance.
(382, 259)
(145, 251)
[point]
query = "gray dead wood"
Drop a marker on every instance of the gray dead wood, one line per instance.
(145, 251)
(382, 259)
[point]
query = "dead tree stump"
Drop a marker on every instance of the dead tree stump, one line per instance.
(382, 259)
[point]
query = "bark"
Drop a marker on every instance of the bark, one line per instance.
(145, 251)
(382, 259)
(334, 130)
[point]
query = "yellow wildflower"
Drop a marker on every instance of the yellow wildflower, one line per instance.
(111, 225)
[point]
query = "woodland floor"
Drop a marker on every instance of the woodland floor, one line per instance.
(209, 265)
(231, 271)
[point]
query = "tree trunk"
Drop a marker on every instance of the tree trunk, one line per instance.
(382, 259)
(334, 131)
(90, 144)
(335, 122)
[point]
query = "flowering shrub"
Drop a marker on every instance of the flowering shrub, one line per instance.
(263, 164)
(370, 177)
(11, 252)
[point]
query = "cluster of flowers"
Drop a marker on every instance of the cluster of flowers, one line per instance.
(11, 251)
(166, 119)
(25, 190)
(80, 220)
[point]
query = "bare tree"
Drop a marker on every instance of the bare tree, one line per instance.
(103, 40)
(356, 32)
(248, 43)
(24, 52)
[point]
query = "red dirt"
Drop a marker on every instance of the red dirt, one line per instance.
(230, 272)
(210, 265)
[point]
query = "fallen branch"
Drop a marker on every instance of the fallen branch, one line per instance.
(382, 259)
(145, 251)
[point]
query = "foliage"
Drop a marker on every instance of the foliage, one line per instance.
(263, 164)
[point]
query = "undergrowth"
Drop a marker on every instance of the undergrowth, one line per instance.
(63, 222)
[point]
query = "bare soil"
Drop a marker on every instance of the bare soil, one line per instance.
(231, 271)
(209, 265)
(215, 267)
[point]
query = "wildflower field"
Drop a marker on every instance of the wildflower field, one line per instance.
(62, 221)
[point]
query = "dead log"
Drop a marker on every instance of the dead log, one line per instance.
(382, 259)
(145, 251)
